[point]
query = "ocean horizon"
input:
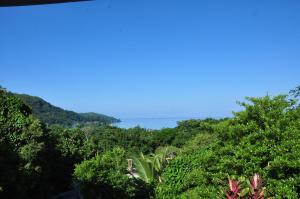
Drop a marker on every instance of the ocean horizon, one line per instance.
(151, 123)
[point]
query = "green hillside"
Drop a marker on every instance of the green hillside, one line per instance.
(51, 114)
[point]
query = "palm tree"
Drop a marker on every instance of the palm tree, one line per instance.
(144, 168)
(150, 168)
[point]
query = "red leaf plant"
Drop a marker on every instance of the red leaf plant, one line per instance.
(254, 191)
(234, 189)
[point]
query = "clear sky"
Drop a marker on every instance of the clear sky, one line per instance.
(151, 58)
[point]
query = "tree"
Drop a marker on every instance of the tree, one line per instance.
(149, 168)
(264, 138)
(295, 92)
(105, 176)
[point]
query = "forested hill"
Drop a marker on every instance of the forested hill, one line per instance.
(51, 114)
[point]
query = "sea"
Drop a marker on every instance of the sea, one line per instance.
(150, 123)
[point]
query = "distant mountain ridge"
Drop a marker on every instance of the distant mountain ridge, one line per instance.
(51, 114)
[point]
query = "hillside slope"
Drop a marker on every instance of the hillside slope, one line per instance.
(51, 114)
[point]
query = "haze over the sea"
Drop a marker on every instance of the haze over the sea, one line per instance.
(151, 123)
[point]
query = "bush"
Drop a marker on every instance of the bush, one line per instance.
(104, 176)
(264, 138)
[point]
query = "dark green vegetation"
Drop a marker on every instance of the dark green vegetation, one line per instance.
(193, 160)
(50, 114)
(264, 139)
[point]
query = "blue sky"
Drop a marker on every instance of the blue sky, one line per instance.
(151, 58)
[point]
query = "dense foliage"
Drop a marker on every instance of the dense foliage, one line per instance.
(264, 138)
(50, 114)
(104, 177)
(193, 160)
(26, 153)
(39, 161)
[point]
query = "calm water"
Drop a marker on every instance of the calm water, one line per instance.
(150, 123)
